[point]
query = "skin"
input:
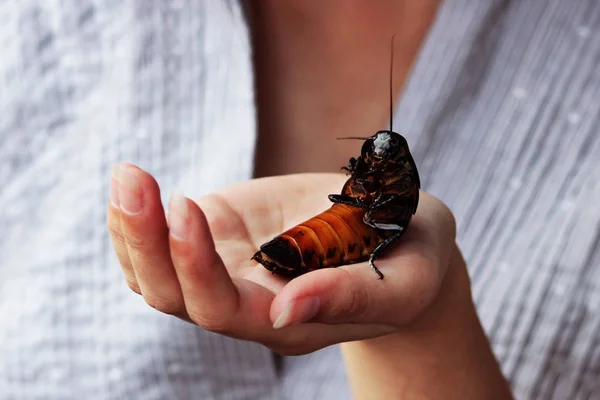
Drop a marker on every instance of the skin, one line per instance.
(319, 75)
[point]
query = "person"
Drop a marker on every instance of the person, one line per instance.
(171, 91)
(418, 323)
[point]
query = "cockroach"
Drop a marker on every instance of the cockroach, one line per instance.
(371, 213)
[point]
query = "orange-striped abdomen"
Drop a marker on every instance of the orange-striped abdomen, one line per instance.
(337, 236)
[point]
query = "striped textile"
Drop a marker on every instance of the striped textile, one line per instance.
(502, 113)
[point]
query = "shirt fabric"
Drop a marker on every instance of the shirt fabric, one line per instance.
(502, 113)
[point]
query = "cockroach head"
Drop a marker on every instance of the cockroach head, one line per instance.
(383, 147)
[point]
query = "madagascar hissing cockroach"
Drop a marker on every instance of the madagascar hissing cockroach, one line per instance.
(372, 212)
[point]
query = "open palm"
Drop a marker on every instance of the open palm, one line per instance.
(198, 266)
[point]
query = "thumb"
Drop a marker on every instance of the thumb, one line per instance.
(353, 294)
(330, 296)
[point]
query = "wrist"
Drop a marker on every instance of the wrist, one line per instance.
(444, 353)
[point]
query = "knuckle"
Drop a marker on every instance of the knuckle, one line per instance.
(114, 229)
(137, 242)
(145, 251)
(162, 303)
(183, 251)
(133, 285)
(141, 240)
(212, 323)
(358, 302)
(355, 305)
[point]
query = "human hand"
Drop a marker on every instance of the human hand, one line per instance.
(198, 268)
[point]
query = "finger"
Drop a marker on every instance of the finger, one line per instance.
(116, 234)
(211, 297)
(414, 271)
(145, 231)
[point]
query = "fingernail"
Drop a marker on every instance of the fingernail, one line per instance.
(130, 192)
(114, 186)
(178, 216)
(298, 312)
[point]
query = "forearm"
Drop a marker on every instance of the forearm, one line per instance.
(443, 355)
(322, 72)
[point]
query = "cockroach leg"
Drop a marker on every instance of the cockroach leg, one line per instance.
(379, 250)
(350, 169)
(342, 199)
(374, 268)
(383, 203)
(387, 220)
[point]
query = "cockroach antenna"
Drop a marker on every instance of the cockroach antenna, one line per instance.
(392, 83)
(353, 137)
(391, 95)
